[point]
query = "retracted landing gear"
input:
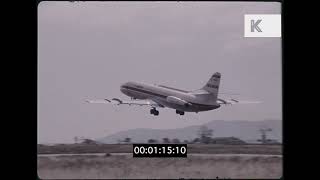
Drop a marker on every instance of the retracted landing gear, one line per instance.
(180, 112)
(154, 111)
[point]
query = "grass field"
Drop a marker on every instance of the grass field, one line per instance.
(124, 166)
(214, 161)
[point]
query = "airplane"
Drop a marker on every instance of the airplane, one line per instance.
(160, 96)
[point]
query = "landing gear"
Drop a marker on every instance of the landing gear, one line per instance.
(180, 112)
(154, 111)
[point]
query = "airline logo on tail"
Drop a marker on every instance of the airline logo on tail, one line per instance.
(214, 81)
(216, 75)
(212, 86)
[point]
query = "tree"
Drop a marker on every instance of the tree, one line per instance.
(186, 141)
(166, 140)
(196, 140)
(76, 139)
(152, 141)
(205, 134)
(127, 140)
(89, 141)
(176, 140)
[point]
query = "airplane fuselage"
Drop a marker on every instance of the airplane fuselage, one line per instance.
(169, 97)
(158, 96)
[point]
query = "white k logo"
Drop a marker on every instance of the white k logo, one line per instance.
(254, 25)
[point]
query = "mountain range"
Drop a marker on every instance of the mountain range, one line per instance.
(245, 130)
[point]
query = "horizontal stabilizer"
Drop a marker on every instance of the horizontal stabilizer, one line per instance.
(235, 101)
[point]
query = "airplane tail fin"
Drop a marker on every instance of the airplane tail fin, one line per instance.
(212, 85)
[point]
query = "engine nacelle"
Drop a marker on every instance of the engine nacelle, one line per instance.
(175, 100)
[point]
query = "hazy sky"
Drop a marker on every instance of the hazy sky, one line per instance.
(86, 50)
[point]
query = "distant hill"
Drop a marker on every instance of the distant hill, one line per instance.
(245, 130)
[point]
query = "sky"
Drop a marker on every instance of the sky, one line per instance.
(86, 50)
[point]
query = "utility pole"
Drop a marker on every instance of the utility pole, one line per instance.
(263, 132)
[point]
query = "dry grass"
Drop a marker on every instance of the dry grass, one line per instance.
(124, 166)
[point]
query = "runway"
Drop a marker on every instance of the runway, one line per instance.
(191, 154)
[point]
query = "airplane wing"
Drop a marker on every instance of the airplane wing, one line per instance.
(116, 101)
(235, 101)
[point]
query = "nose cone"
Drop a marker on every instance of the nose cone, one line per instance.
(123, 87)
